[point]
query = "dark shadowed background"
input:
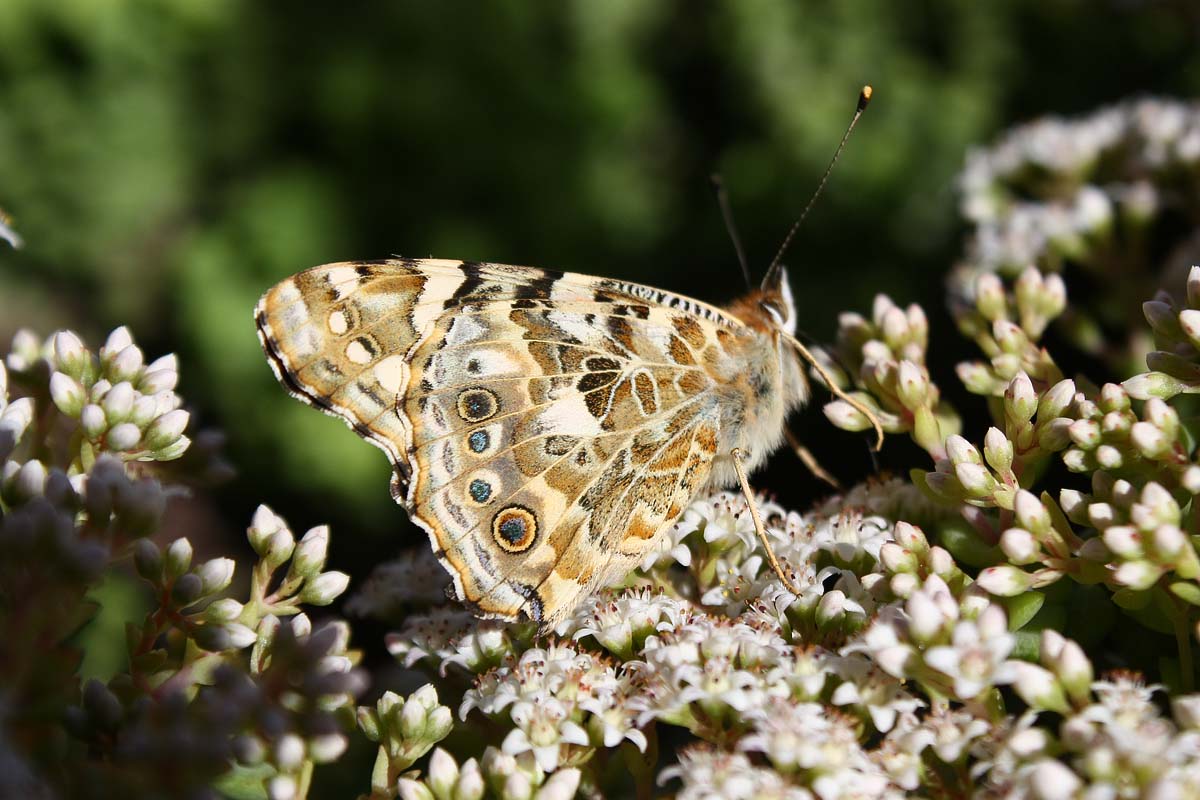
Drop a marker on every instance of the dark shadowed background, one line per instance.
(168, 160)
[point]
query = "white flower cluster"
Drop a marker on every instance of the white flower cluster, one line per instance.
(881, 680)
(1081, 173)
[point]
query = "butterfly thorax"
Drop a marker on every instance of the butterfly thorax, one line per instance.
(760, 384)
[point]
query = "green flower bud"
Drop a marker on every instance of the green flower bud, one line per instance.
(989, 297)
(998, 450)
(1004, 581)
(845, 416)
(125, 365)
(225, 610)
(960, 451)
(1032, 515)
(912, 385)
(123, 437)
(309, 556)
(166, 429)
(68, 394)
(975, 480)
(179, 557)
(1154, 384)
(118, 402)
(1020, 401)
(324, 589)
(93, 421)
(279, 548)
(410, 789)
(443, 773)
(215, 575)
(976, 377)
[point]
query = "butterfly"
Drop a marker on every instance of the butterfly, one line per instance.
(545, 428)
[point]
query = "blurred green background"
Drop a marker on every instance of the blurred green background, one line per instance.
(168, 160)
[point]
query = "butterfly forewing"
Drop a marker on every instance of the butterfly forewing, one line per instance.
(545, 428)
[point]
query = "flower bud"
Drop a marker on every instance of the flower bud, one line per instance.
(961, 451)
(443, 773)
(324, 589)
(70, 356)
(123, 437)
(975, 480)
(1004, 581)
(125, 365)
(410, 789)
(179, 557)
(989, 297)
(93, 421)
(225, 610)
(118, 402)
(1038, 687)
(1138, 575)
(1109, 457)
(187, 589)
(148, 560)
(1020, 401)
(309, 556)
(1020, 546)
(326, 748)
(1085, 433)
(1149, 441)
(289, 752)
(68, 394)
(1186, 708)
(166, 429)
(213, 638)
(1154, 384)
(910, 537)
(1031, 513)
(280, 546)
(845, 416)
(998, 450)
(215, 575)
(912, 385)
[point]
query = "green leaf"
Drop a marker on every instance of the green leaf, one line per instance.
(1188, 591)
(963, 542)
(245, 783)
(1022, 608)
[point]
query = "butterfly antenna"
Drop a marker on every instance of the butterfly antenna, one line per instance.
(864, 97)
(718, 187)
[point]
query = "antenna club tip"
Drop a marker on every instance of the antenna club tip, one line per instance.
(864, 96)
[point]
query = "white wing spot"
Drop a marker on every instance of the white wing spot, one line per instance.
(343, 281)
(357, 353)
(390, 373)
(337, 323)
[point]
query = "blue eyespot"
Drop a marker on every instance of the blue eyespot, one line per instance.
(513, 529)
(480, 490)
(478, 441)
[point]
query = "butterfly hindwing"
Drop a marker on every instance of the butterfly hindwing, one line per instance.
(545, 428)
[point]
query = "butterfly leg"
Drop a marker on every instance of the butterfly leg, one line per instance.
(759, 529)
(805, 455)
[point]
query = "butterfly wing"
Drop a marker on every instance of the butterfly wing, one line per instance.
(544, 427)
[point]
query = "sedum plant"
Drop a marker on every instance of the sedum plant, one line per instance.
(1015, 616)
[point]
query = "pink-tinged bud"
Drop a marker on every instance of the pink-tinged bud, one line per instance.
(1138, 575)
(1116, 423)
(845, 416)
(1020, 546)
(1109, 457)
(961, 451)
(1124, 541)
(1168, 542)
(975, 480)
(1077, 460)
(975, 376)
(998, 450)
(1010, 337)
(1004, 581)
(1163, 416)
(1074, 671)
(1113, 397)
(1191, 479)
(1020, 401)
(894, 327)
(1149, 441)
(1154, 385)
(1037, 687)
(1056, 400)
(910, 537)
(1193, 287)
(989, 297)
(896, 559)
(942, 563)
(1189, 321)
(1074, 504)
(1031, 513)
(903, 584)
(1085, 433)
(912, 385)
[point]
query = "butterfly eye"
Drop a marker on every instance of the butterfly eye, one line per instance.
(775, 311)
